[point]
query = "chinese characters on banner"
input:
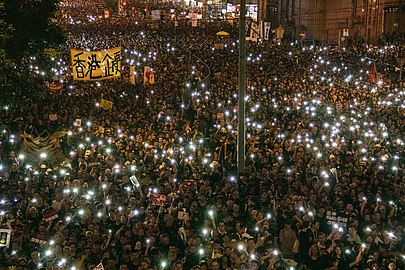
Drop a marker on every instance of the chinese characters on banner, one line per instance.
(96, 65)
(334, 217)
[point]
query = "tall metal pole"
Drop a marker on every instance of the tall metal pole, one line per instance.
(242, 88)
(299, 19)
(399, 18)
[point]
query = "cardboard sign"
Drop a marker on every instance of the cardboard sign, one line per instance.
(5, 236)
(39, 239)
(55, 88)
(50, 215)
(106, 104)
(53, 117)
(100, 266)
(183, 215)
(218, 46)
(155, 15)
(334, 217)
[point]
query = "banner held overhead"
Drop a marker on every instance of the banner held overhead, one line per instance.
(96, 65)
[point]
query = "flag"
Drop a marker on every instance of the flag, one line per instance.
(99, 267)
(373, 73)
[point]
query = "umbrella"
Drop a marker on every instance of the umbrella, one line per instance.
(222, 33)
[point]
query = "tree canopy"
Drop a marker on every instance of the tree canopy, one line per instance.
(34, 24)
(27, 27)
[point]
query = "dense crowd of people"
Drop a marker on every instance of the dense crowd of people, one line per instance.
(153, 184)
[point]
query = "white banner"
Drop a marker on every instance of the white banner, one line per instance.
(266, 30)
(155, 15)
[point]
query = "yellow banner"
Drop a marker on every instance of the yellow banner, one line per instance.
(96, 65)
(37, 142)
(106, 104)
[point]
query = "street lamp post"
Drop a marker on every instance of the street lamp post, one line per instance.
(400, 7)
(242, 88)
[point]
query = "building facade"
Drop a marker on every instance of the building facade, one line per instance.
(335, 20)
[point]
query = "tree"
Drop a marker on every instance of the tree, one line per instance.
(35, 26)
(26, 28)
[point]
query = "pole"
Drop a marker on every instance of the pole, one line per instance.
(299, 20)
(315, 22)
(366, 23)
(399, 18)
(242, 88)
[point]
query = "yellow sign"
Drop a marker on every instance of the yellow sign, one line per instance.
(106, 104)
(96, 65)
